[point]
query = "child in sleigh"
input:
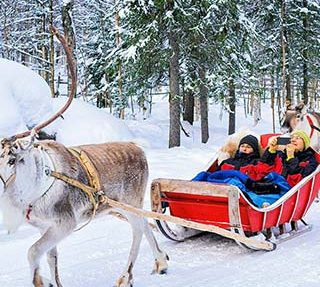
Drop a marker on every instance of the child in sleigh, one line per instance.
(265, 179)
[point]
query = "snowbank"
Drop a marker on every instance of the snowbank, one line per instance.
(24, 96)
(83, 123)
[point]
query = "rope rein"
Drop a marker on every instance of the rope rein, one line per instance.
(97, 197)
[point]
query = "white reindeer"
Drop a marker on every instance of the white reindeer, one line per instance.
(57, 208)
(31, 190)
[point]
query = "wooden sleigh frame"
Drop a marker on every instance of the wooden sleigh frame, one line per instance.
(225, 210)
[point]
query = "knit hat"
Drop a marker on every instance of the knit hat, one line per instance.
(302, 134)
(252, 141)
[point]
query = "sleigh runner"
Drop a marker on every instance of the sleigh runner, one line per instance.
(227, 209)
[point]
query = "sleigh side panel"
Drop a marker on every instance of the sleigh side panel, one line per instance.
(202, 209)
(210, 203)
(291, 207)
(206, 203)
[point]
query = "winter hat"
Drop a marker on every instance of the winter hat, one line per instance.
(252, 141)
(302, 134)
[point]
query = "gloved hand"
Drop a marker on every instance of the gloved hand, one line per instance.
(262, 187)
(266, 188)
(250, 184)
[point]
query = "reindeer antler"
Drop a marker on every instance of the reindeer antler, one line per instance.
(73, 75)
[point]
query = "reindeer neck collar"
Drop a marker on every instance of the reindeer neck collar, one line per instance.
(312, 126)
(47, 180)
(48, 167)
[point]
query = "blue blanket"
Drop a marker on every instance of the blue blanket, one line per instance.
(239, 179)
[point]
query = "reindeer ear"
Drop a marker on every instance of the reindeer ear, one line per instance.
(22, 145)
(288, 105)
(300, 107)
(304, 109)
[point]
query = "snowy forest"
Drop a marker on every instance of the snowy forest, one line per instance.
(184, 81)
(193, 52)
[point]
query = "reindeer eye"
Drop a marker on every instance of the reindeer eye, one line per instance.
(12, 161)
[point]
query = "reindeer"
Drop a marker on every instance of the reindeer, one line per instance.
(56, 208)
(56, 189)
(298, 117)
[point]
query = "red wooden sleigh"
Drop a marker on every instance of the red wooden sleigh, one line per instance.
(223, 209)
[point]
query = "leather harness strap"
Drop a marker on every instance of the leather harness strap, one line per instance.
(3, 181)
(85, 188)
(88, 166)
(6, 182)
(313, 127)
(93, 190)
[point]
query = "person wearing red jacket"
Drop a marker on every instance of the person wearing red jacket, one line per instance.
(247, 153)
(296, 161)
(245, 159)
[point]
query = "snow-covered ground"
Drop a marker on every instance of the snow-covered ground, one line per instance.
(97, 254)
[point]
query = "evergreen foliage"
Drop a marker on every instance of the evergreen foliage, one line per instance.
(124, 48)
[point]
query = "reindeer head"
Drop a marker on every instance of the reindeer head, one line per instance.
(292, 117)
(12, 152)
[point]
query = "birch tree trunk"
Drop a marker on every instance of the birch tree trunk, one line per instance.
(305, 58)
(52, 52)
(279, 102)
(272, 103)
(256, 107)
(5, 37)
(286, 89)
(44, 49)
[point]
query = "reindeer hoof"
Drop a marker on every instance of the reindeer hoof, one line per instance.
(163, 271)
(47, 283)
(125, 281)
(43, 282)
(161, 265)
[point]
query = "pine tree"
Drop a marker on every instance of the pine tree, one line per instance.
(231, 55)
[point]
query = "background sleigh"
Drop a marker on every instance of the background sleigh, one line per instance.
(193, 207)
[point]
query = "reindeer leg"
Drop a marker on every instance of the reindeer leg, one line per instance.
(161, 265)
(47, 242)
(126, 279)
(52, 258)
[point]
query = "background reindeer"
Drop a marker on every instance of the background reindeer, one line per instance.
(298, 117)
